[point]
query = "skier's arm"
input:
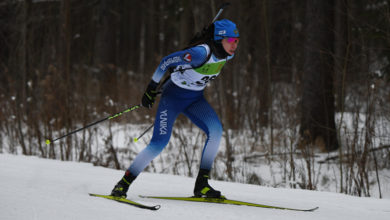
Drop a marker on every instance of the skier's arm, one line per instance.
(193, 56)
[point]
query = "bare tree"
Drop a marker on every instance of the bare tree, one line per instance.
(318, 111)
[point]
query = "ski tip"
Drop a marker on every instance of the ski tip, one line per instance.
(156, 207)
(127, 201)
(48, 142)
(135, 140)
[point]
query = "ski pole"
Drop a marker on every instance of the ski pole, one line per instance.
(136, 139)
(48, 141)
(223, 6)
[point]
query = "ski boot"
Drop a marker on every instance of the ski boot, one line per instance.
(202, 187)
(122, 186)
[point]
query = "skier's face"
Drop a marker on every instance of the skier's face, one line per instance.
(230, 44)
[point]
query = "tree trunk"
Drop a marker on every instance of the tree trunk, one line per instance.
(65, 68)
(317, 120)
(341, 49)
(105, 35)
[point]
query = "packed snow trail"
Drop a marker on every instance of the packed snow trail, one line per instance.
(34, 188)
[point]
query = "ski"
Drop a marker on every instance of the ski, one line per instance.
(126, 201)
(227, 201)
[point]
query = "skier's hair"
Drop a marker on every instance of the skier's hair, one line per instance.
(202, 37)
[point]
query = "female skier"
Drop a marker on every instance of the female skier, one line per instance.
(192, 69)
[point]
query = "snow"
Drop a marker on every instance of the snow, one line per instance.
(35, 188)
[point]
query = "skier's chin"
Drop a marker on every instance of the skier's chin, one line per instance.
(230, 52)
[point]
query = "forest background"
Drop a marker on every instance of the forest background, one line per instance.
(309, 85)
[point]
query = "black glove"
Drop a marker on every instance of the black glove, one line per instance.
(150, 95)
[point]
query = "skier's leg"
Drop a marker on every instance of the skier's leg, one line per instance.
(167, 112)
(161, 135)
(203, 115)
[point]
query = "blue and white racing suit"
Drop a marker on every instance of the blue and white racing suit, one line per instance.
(183, 93)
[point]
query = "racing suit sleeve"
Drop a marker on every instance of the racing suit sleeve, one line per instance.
(193, 56)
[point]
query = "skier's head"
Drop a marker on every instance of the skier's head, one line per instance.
(226, 33)
(225, 28)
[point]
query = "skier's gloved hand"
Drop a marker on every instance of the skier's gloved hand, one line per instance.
(150, 95)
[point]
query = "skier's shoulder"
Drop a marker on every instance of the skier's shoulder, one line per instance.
(196, 55)
(203, 49)
(200, 51)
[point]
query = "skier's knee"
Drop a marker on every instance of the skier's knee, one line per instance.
(157, 146)
(216, 131)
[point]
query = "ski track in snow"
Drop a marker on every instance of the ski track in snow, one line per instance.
(34, 188)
